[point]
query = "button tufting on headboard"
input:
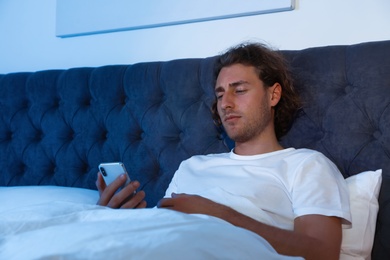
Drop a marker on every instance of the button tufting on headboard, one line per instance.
(377, 134)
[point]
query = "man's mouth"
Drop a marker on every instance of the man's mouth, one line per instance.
(229, 118)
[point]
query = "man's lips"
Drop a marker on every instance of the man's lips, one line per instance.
(229, 118)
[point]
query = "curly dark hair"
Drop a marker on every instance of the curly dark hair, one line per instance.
(272, 68)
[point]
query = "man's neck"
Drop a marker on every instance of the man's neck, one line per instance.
(255, 147)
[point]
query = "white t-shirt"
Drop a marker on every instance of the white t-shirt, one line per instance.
(273, 188)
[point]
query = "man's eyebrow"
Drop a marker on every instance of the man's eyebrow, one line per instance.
(238, 83)
(232, 85)
(219, 89)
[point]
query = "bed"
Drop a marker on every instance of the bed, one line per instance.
(56, 126)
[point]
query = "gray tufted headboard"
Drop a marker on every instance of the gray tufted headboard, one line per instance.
(56, 126)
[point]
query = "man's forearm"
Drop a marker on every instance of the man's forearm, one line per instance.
(285, 242)
(314, 236)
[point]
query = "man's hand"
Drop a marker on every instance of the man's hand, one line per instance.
(192, 204)
(125, 198)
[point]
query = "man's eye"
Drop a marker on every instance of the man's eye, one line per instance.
(240, 91)
(219, 96)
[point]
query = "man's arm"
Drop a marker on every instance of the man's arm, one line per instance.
(314, 236)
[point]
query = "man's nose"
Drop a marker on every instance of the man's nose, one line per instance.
(227, 101)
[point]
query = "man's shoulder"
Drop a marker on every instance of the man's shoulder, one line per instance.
(305, 152)
(306, 155)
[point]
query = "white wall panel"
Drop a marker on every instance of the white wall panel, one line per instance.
(81, 17)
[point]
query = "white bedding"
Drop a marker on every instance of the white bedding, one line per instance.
(69, 230)
(53, 222)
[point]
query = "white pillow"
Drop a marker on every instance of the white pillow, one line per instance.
(19, 196)
(363, 193)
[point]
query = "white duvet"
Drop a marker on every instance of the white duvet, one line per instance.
(68, 230)
(53, 222)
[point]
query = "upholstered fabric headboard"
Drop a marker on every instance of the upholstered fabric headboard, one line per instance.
(56, 126)
(346, 114)
(346, 99)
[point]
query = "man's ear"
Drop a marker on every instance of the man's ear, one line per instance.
(275, 94)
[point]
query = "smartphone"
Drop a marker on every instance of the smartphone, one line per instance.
(111, 171)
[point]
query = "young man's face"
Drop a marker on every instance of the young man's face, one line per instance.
(244, 104)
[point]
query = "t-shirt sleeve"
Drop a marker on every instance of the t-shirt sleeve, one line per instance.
(320, 188)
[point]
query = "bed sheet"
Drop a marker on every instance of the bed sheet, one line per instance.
(67, 230)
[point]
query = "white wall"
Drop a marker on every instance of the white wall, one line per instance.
(28, 41)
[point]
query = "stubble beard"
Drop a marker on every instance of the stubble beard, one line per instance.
(250, 126)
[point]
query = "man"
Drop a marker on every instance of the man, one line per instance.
(296, 199)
